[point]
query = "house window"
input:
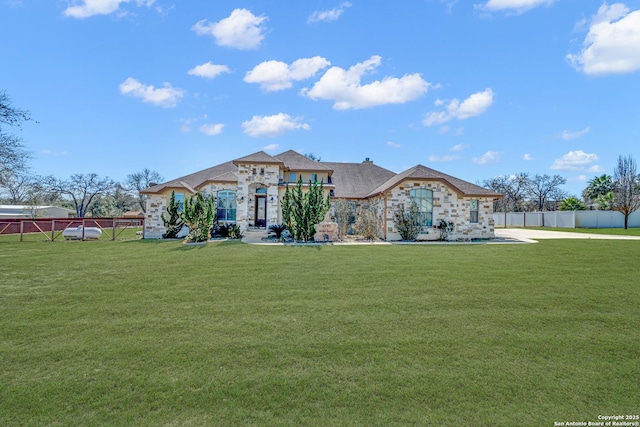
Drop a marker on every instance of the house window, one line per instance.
(314, 177)
(226, 205)
(179, 198)
(473, 211)
(423, 198)
(292, 177)
(261, 190)
(262, 171)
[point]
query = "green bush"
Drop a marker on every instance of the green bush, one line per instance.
(302, 210)
(198, 214)
(173, 223)
(278, 229)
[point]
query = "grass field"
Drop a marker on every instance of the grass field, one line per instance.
(615, 231)
(150, 333)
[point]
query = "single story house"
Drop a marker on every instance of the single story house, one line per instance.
(249, 190)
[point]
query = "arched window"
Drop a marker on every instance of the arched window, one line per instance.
(226, 205)
(261, 190)
(423, 198)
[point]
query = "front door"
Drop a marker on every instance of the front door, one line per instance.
(261, 211)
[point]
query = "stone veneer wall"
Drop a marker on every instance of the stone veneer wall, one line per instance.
(248, 182)
(448, 206)
(153, 224)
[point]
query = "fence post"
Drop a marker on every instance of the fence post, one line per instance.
(83, 229)
(113, 230)
(21, 230)
(53, 229)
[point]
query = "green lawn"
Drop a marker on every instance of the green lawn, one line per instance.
(150, 333)
(616, 231)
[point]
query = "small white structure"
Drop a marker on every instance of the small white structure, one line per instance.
(27, 211)
(75, 233)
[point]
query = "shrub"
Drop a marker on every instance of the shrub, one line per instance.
(369, 221)
(173, 223)
(445, 228)
(407, 221)
(198, 214)
(302, 210)
(233, 231)
(278, 229)
(572, 204)
(344, 216)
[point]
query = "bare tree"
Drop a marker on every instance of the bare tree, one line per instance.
(626, 187)
(13, 156)
(17, 186)
(515, 189)
(544, 187)
(138, 181)
(81, 189)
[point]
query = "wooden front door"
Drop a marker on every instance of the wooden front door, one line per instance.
(261, 211)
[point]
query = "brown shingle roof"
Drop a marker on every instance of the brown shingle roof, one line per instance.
(420, 172)
(189, 182)
(356, 180)
(258, 158)
(297, 162)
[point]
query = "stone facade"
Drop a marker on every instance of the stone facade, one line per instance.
(259, 182)
(447, 206)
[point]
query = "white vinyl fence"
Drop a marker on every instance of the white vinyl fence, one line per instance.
(565, 219)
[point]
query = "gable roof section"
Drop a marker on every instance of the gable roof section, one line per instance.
(226, 172)
(357, 180)
(297, 162)
(420, 172)
(260, 158)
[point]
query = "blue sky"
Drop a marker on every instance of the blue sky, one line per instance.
(473, 89)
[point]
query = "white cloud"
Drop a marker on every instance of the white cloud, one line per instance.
(271, 147)
(208, 70)
(271, 126)
(242, 29)
(277, 75)
(344, 87)
(445, 158)
(393, 144)
(212, 129)
(167, 96)
(612, 44)
(517, 6)
(459, 147)
(488, 157)
(474, 105)
(579, 178)
(595, 169)
(572, 135)
(527, 157)
(88, 8)
(574, 161)
(328, 15)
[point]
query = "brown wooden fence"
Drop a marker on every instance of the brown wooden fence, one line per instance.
(52, 228)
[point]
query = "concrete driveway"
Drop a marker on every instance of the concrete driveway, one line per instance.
(528, 235)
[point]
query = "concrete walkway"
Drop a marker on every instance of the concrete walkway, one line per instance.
(528, 235)
(503, 235)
